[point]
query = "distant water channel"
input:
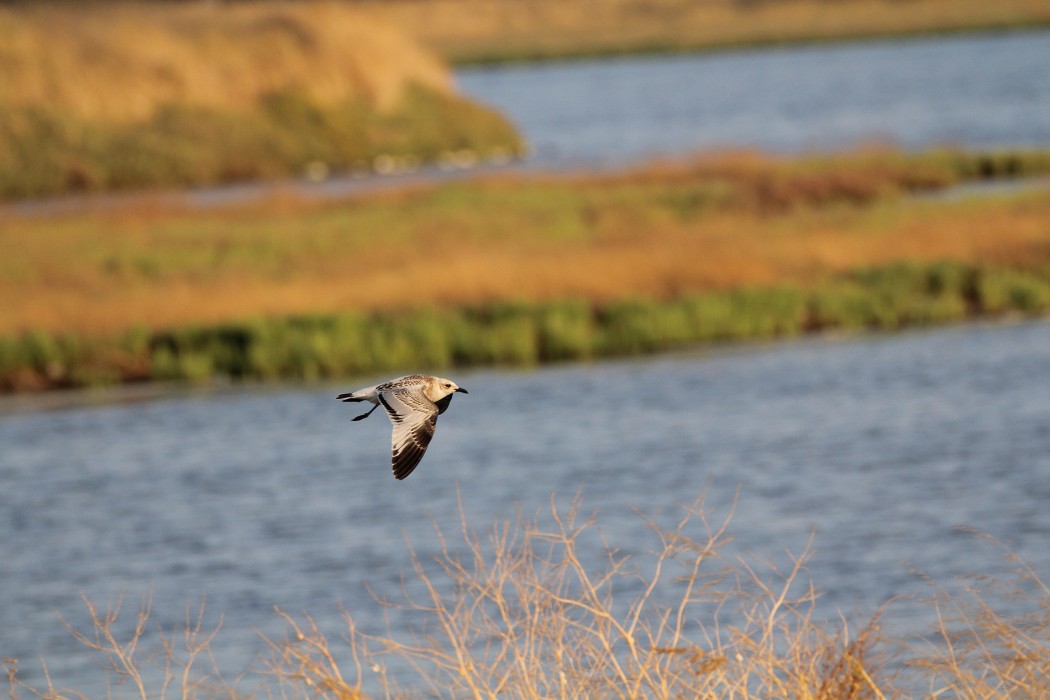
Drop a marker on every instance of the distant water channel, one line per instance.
(981, 91)
(986, 91)
(879, 447)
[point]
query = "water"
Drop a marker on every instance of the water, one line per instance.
(880, 447)
(973, 91)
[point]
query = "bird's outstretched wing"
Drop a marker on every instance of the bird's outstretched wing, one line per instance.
(414, 417)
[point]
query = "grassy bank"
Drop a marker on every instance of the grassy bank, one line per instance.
(519, 334)
(473, 31)
(518, 271)
(548, 608)
(709, 225)
(126, 95)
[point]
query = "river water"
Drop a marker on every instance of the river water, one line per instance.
(976, 91)
(879, 447)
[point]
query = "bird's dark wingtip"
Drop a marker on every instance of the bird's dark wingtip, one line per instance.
(406, 463)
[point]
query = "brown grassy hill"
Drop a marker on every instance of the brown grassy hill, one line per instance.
(125, 60)
(123, 95)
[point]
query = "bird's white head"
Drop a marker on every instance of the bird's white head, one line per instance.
(440, 387)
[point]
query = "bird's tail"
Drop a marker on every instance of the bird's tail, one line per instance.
(359, 395)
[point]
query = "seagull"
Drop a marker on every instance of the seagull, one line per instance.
(413, 403)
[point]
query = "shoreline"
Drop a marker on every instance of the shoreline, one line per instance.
(654, 49)
(61, 399)
(324, 348)
(465, 32)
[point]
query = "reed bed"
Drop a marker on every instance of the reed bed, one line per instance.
(113, 96)
(547, 607)
(509, 30)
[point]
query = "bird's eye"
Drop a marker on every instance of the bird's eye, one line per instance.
(448, 386)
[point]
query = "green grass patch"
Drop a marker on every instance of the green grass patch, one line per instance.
(519, 333)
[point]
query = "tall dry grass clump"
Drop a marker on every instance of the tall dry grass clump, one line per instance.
(125, 60)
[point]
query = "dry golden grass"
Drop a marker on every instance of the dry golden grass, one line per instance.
(508, 29)
(548, 608)
(124, 60)
(516, 613)
(979, 650)
(500, 240)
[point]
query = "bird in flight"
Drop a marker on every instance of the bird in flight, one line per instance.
(413, 404)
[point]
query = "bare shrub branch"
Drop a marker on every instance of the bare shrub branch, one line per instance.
(547, 607)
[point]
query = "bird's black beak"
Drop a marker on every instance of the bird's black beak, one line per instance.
(462, 390)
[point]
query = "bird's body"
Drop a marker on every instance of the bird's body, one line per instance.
(412, 403)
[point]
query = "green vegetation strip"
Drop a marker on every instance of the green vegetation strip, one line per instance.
(519, 334)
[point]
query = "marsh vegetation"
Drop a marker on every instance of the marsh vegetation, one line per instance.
(519, 611)
(519, 271)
